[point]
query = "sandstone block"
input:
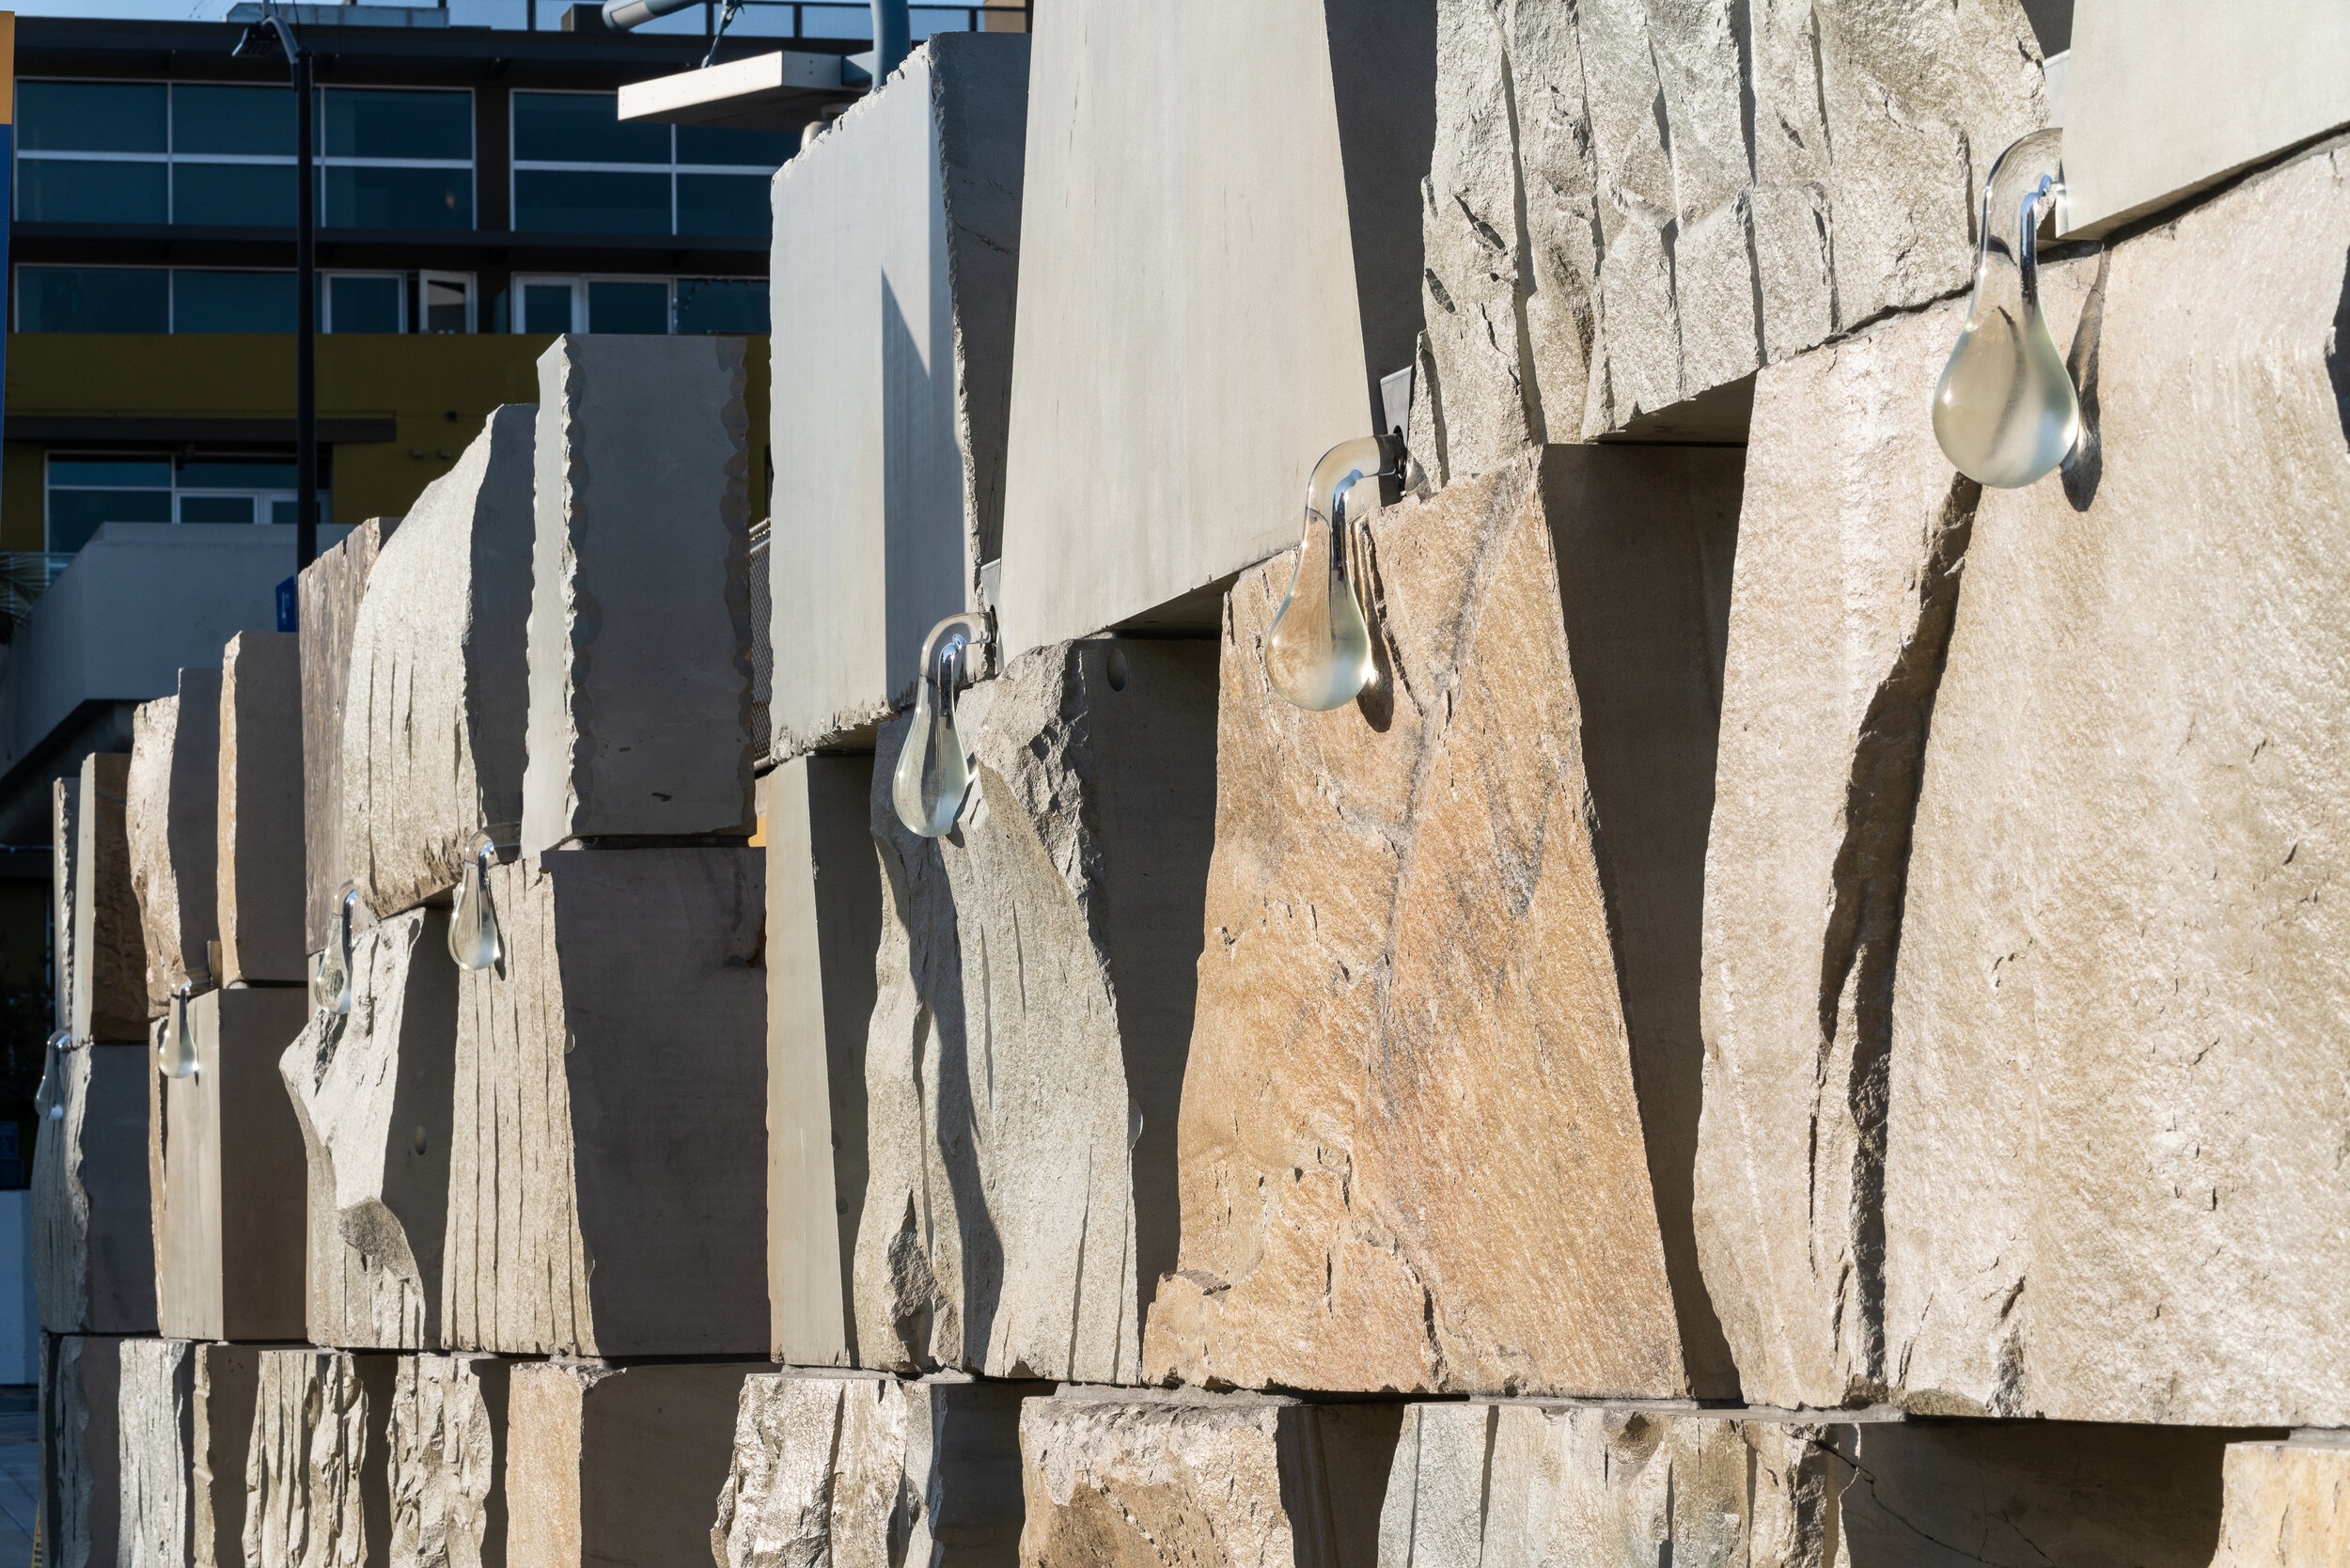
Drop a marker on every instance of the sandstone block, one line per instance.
(231, 1226)
(81, 1474)
(824, 930)
(227, 1390)
(607, 1142)
(171, 814)
(896, 258)
(371, 1093)
(2112, 1188)
(447, 1467)
(2288, 1505)
(330, 591)
(93, 1237)
(65, 843)
(432, 746)
(1167, 416)
(1033, 1014)
(1442, 1106)
(619, 1466)
(316, 1477)
(103, 958)
(156, 1429)
(260, 854)
(640, 630)
(1208, 1478)
(847, 1469)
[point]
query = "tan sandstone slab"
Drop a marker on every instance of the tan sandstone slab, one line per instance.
(93, 1237)
(81, 1476)
(102, 960)
(225, 1387)
(259, 855)
(2288, 1505)
(448, 1465)
(172, 818)
(155, 1426)
(330, 591)
(64, 845)
(1034, 1012)
(1442, 1105)
(316, 1476)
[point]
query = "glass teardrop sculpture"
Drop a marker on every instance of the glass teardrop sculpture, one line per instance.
(2006, 411)
(473, 925)
(330, 982)
(175, 1057)
(1318, 654)
(933, 769)
(49, 1099)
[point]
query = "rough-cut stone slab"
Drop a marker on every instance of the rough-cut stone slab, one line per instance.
(431, 747)
(93, 1237)
(172, 816)
(156, 1426)
(370, 1091)
(1200, 322)
(889, 467)
(640, 630)
(619, 1467)
(1035, 996)
(105, 952)
(845, 1469)
(2288, 1505)
(227, 1390)
(1618, 1487)
(2114, 1187)
(316, 1477)
(608, 1153)
(1631, 204)
(1202, 1478)
(823, 929)
(448, 1469)
(231, 1231)
(81, 1476)
(1849, 544)
(330, 592)
(65, 843)
(259, 855)
(1442, 1106)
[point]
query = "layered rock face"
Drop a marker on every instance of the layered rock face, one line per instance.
(317, 1493)
(1631, 204)
(81, 1476)
(171, 815)
(371, 1091)
(431, 743)
(93, 1248)
(156, 1432)
(329, 594)
(1207, 1477)
(260, 848)
(607, 1139)
(447, 1463)
(227, 1391)
(1026, 1052)
(1441, 1108)
(102, 958)
(2288, 1506)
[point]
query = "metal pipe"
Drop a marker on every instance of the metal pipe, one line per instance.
(893, 35)
(306, 328)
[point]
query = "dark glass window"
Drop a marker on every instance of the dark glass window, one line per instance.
(627, 306)
(229, 473)
(89, 117)
(580, 201)
(87, 191)
(583, 128)
(722, 204)
(547, 308)
(93, 299)
(712, 144)
(232, 301)
(245, 194)
(398, 124)
(364, 304)
(75, 514)
(245, 122)
(398, 198)
(721, 305)
(215, 508)
(146, 473)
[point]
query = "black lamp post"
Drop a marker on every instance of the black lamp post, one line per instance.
(270, 36)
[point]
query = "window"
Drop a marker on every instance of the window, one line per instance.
(363, 302)
(397, 158)
(204, 298)
(207, 300)
(93, 299)
(447, 300)
(581, 170)
(648, 305)
(87, 491)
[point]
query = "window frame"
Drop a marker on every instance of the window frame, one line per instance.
(471, 282)
(517, 165)
(326, 295)
(263, 497)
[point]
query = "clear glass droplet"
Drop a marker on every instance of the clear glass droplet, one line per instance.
(1318, 655)
(933, 769)
(2006, 410)
(49, 1099)
(176, 1056)
(330, 982)
(473, 926)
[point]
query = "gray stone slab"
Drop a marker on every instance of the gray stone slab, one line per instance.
(227, 1390)
(448, 1468)
(80, 1471)
(93, 1246)
(156, 1431)
(896, 264)
(65, 843)
(1200, 322)
(639, 629)
(328, 597)
(316, 1474)
(172, 816)
(259, 855)
(437, 690)
(105, 955)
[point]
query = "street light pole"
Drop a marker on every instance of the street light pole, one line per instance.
(272, 34)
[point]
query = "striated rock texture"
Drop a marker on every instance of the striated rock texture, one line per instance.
(607, 1139)
(371, 1090)
(1034, 1012)
(330, 591)
(2288, 1506)
(844, 1468)
(1632, 203)
(225, 1390)
(639, 632)
(156, 1433)
(260, 845)
(619, 1466)
(102, 959)
(447, 1463)
(93, 1231)
(171, 815)
(432, 745)
(81, 1485)
(65, 843)
(1441, 1103)
(317, 1493)
(1849, 541)
(2114, 1187)
(1202, 1478)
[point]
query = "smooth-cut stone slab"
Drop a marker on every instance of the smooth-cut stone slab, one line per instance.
(2114, 1187)
(1200, 322)
(260, 854)
(231, 1226)
(370, 1091)
(81, 1474)
(846, 1469)
(171, 814)
(2288, 1505)
(1850, 538)
(431, 746)
(889, 467)
(330, 591)
(1033, 1014)
(1442, 1105)
(619, 1467)
(316, 1474)
(823, 933)
(105, 953)
(227, 1388)
(447, 1471)
(640, 628)
(156, 1431)
(93, 1237)
(608, 1145)
(1202, 1478)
